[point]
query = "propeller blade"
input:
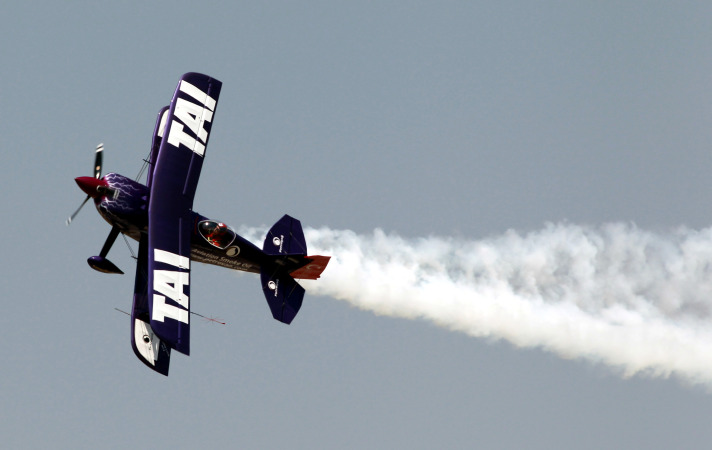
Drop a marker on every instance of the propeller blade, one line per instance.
(69, 220)
(97, 160)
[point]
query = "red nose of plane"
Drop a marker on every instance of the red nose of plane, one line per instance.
(90, 186)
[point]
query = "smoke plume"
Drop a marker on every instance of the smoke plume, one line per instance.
(636, 301)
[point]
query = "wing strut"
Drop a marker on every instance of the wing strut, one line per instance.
(113, 234)
(100, 262)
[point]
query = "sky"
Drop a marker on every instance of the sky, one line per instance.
(469, 123)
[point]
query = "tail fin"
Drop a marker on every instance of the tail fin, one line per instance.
(286, 238)
(286, 246)
(285, 242)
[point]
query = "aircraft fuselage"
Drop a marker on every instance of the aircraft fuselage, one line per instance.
(124, 203)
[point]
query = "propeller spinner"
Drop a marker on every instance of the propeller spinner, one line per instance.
(89, 185)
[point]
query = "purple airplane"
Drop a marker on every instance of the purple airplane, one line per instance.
(171, 235)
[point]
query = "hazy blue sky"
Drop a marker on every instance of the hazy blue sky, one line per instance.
(454, 119)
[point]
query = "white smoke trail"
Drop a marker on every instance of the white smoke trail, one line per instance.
(637, 301)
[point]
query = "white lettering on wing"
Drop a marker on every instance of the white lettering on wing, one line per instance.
(178, 261)
(197, 94)
(161, 310)
(170, 283)
(177, 136)
(193, 116)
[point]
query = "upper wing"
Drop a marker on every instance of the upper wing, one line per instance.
(173, 184)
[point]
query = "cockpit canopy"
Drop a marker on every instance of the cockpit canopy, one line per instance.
(216, 233)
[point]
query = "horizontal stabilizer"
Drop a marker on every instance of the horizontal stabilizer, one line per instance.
(285, 238)
(284, 295)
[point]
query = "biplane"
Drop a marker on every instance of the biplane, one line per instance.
(171, 236)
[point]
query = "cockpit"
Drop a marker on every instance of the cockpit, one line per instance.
(216, 233)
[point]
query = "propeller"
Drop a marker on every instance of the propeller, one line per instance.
(97, 175)
(69, 220)
(97, 160)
